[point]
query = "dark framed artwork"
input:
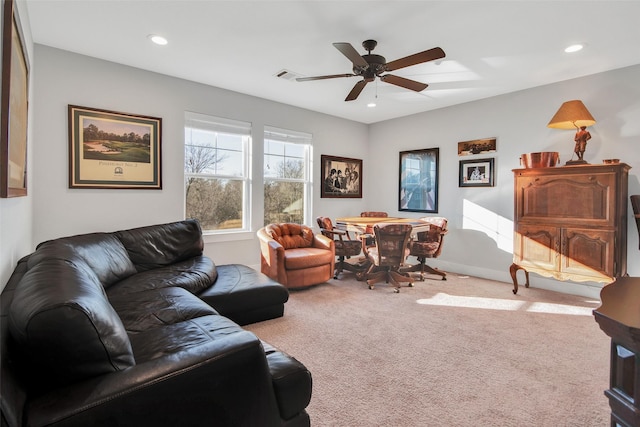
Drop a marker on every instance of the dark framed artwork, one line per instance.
(108, 149)
(476, 173)
(477, 146)
(14, 111)
(419, 180)
(341, 177)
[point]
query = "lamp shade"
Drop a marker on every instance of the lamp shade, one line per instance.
(571, 115)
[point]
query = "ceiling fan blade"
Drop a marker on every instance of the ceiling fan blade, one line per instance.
(331, 76)
(405, 83)
(352, 54)
(418, 58)
(355, 92)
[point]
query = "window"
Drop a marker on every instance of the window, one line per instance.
(216, 170)
(287, 176)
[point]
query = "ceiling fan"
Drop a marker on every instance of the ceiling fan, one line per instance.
(370, 66)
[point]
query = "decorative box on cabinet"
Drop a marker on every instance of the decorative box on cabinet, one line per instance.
(570, 222)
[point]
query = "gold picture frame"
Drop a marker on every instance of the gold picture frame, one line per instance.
(109, 149)
(14, 105)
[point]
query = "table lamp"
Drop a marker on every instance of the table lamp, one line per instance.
(573, 114)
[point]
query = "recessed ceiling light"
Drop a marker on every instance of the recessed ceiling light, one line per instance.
(158, 39)
(371, 104)
(574, 48)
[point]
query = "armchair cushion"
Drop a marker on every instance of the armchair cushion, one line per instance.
(291, 236)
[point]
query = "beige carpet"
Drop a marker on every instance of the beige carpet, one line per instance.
(460, 352)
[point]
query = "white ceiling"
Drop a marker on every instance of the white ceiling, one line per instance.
(492, 47)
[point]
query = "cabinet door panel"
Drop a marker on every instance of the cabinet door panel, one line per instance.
(588, 252)
(581, 198)
(537, 246)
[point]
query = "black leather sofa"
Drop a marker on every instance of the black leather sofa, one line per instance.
(138, 328)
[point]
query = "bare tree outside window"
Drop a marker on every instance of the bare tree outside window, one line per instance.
(286, 176)
(213, 194)
(283, 200)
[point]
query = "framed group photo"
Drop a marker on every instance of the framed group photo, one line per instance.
(418, 180)
(476, 173)
(341, 177)
(108, 149)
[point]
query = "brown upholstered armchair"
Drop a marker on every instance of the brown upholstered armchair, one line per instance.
(346, 247)
(428, 244)
(388, 255)
(294, 255)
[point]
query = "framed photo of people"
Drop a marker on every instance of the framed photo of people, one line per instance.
(108, 149)
(419, 180)
(476, 173)
(341, 177)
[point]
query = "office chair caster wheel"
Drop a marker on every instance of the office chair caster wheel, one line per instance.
(396, 290)
(371, 286)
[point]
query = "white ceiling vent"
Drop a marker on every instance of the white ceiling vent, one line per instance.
(287, 75)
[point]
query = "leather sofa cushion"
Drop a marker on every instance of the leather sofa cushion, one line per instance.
(102, 252)
(300, 258)
(291, 381)
(141, 311)
(291, 235)
(65, 325)
(194, 275)
(188, 335)
(161, 245)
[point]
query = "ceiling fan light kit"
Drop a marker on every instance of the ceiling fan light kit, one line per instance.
(370, 66)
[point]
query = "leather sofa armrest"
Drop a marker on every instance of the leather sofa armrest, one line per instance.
(223, 382)
(323, 242)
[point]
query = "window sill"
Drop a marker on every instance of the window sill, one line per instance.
(231, 236)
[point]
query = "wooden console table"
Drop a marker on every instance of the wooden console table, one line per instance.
(570, 222)
(619, 318)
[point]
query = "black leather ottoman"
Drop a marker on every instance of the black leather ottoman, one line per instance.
(245, 295)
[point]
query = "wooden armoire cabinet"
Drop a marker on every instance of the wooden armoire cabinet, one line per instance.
(570, 222)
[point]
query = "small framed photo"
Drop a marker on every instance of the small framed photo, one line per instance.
(418, 181)
(341, 177)
(476, 173)
(477, 146)
(108, 149)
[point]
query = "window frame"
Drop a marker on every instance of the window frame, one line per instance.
(222, 125)
(304, 139)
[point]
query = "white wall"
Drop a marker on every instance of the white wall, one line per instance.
(477, 244)
(481, 219)
(16, 212)
(64, 78)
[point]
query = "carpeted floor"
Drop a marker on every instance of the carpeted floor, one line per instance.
(460, 352)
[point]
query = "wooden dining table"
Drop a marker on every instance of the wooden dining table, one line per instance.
(362, 224)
